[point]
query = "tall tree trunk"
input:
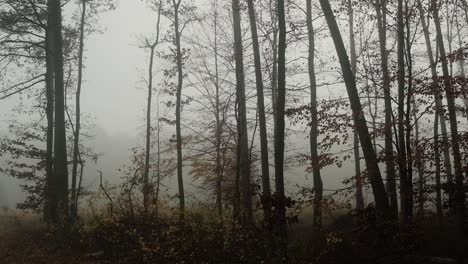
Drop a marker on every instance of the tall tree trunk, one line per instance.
(244, 162)
(409, 98)
(76, 142)
(381, 10)
(280, 126)
(437, 170)
(219, 169)
(438, 112)
(59, 187)
(49, 198)
(180, 76)
(357, 155)
(459, 191)
(404, 189)
(266, 195)
(274, 74)
(146, 185)
(318, 184)
(378, 188)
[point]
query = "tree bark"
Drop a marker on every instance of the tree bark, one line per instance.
(357, 155)
(76, 141)
(280, 126)
(180, 75)
(48, 206)
(381, 10)
(318, 184)
(246, 214)
(59, 187)
(378, 188)
(459, 180)
(440, 118)
(266, 193)
(402, 159)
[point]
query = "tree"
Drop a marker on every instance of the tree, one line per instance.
(449, 93)
(378, 188)
(318, 184)
(58, 187)
(76, 141)
(246, 215)
(180, 78)
(357, 155)
(151, 46)
(266, 195)
(280, 127)
(381, 10)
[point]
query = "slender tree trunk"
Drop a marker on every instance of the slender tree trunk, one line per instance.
(380, 196)
(438, 112)
(219, 169)
(404, 189)
(49, 198)
(459, 192)
(280, 126)
(266, 195)
(357, 155)
(318, 184)
(59, 188)
(244, 162)
(381, 10)
(437, 170)
(180, 74)
(76, 142)
(274, 74)
(146, 185)
(158, 158)
(409, 97)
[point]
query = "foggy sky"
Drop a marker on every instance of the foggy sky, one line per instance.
(114, 93)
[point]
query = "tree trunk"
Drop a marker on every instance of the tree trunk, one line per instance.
(404, 189)
(440, 117)
(146, 185)
(381, 10)
(318, 184)
(459, 192)
(219, 169)
(244, 162)
(49, 198)
(357, 155)
(378, 188)
(180, 76)
(280, 126)
(59, 187)
(266, 195)
(76, 142)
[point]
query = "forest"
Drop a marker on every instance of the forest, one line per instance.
(263, 131)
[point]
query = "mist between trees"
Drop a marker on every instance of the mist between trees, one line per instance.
(309, 131)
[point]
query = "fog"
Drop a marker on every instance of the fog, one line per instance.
(114, 96)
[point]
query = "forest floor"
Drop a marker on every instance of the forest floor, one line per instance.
(25, 241)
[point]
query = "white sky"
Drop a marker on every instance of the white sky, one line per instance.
(115, 66)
